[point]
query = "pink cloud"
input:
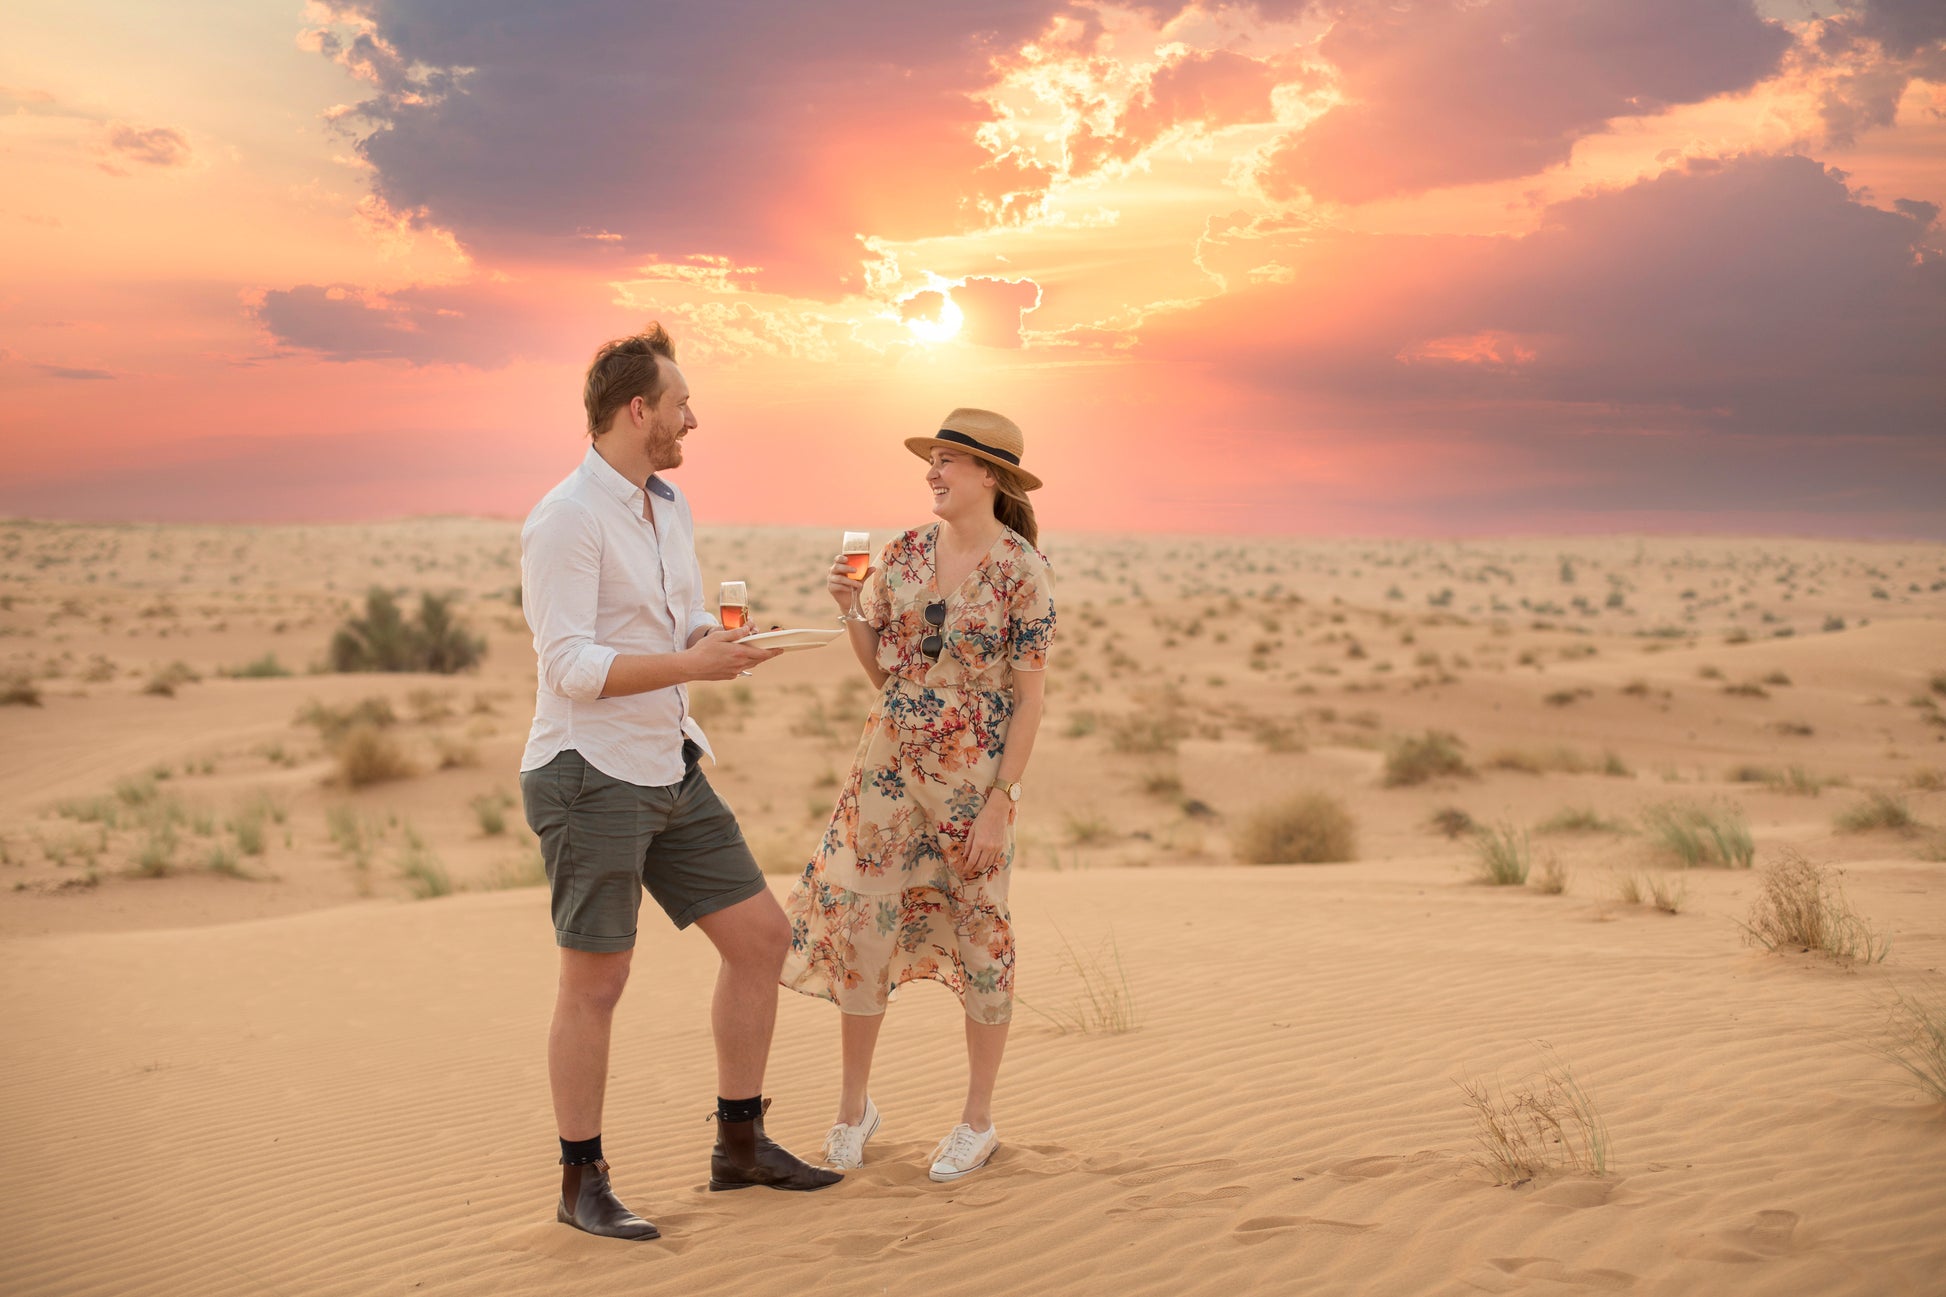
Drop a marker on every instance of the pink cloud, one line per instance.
(1447, 92)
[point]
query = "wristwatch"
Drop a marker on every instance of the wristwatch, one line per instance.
(1012, 790)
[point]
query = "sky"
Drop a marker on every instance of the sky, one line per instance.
(1309, 267)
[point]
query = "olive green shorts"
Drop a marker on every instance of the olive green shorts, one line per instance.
(604, 839)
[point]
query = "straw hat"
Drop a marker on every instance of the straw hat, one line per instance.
(981, 434)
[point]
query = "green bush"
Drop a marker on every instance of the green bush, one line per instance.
(385, 640)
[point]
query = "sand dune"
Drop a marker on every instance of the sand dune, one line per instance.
(276, 1071)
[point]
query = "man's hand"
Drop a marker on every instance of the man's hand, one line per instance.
(718, 656)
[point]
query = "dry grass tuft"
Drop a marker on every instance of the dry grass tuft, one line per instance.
(1416, 760)
(1701, 835)
(1452, 821)
(368, 755)
(1500, 856)
(1801, 907)
(1544, 1124)
(1103, 1001)
(1878, 811)
(1916, 1039)
(1307, 829)
(1666, 893)
(1551, 879)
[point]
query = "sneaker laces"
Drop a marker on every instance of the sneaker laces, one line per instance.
(846, 1142)
(962, 1144)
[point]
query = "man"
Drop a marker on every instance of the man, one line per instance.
(611, 783)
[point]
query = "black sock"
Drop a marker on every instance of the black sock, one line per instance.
(739, 1109)
(580, 1152)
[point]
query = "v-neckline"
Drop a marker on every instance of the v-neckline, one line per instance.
(932, 546)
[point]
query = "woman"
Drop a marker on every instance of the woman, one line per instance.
(953, 624)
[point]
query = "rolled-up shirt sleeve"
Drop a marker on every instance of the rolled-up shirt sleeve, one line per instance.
(560, 572)
(699, 618)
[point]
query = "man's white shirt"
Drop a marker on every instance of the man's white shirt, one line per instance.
(599, 579)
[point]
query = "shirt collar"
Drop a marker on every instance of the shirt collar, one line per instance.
(610, 480)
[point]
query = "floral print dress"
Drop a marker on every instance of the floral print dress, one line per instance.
(885, 899)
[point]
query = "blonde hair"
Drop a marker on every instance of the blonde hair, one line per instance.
(623, 370)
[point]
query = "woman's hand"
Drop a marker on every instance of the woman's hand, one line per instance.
(842, 587)
(986, 845)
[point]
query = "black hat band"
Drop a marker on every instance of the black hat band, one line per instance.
(947, 434)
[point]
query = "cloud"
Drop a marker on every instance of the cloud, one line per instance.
(1448, 92)
(153, 146)
(1192, 91)
(993, 309)
(688, 129)
(1747, 327)
(1868, 54)
(462, 325)
(78, 375)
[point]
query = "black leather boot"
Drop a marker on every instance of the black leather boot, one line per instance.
(589, 1203)
(746, 1157)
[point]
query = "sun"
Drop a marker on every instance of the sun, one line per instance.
(939, 330)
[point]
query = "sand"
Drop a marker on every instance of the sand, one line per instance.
(290, 1075)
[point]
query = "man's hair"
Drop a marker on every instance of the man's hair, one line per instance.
(623, 370)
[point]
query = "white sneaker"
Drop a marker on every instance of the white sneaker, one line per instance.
(963, 1152)
(844, 1146)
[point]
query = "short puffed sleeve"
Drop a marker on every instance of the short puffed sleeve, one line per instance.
(1030, 613)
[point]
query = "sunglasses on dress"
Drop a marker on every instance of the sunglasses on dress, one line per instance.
(932, 645)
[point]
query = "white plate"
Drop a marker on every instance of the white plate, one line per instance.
(786, 640)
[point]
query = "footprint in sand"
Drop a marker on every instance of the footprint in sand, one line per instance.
(1542, 1267)
(1261, 1228)
(1157, 1174)
(1757, 1237)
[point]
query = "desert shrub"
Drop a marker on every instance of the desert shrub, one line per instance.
(19, 691)
(1578, 819)
(1087, 830)
(1800, 906)
(167, 680)
(332, 723)
(1926, 780)
(1915, 1039)
(1081, 724)
(432, 705)
(1701, 835)
(219, 859)
(1879, 810)
(421, 870)
(1162, 783)
(1146, 732)
(248, 827)
(490, 809)
(1309, 828)
(266, 667)
(455, 754)
(1500, 856)
(384, 639)
(1452, 821)
(1551, 879)
(1416, 759)
(1545, 1123)
(368, 755)
(1746, 689)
